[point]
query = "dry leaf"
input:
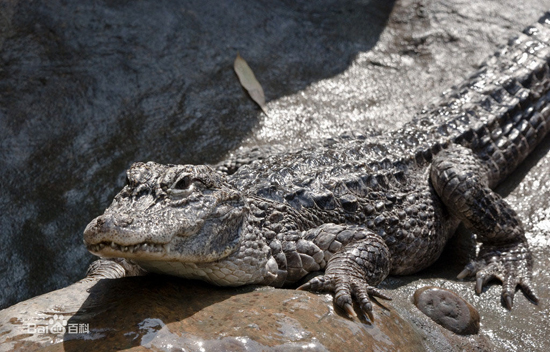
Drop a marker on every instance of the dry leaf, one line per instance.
(249, 82)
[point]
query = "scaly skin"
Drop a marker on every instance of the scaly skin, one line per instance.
(358, 208)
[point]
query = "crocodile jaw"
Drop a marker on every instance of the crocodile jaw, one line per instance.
(212, 239)
(225, 272)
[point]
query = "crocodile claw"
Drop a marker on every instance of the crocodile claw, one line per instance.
(370, 315)
(344, 288)
(480, 282)
(511, 266)
(349, 309)
(469, 270)
(508, 301)
(373, 291)
(318, 283)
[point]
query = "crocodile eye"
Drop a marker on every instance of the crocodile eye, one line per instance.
(183, 183)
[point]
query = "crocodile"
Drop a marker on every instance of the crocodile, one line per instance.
(355, 208)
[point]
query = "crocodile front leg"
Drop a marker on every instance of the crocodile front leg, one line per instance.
(361, 260)
(461, 180)
(113, 268)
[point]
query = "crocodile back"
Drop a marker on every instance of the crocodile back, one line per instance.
(500, 112)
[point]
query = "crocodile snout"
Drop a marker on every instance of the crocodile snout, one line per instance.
(104, 225)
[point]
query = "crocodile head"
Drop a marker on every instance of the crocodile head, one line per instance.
(180, 213)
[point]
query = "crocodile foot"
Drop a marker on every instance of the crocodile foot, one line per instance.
(113, 268)
(344, 288)
(352, 272)
(510, 264)
(458, 177)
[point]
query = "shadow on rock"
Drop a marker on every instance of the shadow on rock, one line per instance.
(155, 312)
(129, 312)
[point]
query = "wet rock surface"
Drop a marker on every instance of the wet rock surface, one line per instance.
(155, 312)
(89, 87)
(447, 309)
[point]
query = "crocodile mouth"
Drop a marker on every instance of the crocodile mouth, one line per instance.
(108, 248)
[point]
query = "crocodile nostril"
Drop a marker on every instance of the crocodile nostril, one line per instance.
(122, 220)
(100, 221)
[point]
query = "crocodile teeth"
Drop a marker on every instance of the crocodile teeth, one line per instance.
(147, 247)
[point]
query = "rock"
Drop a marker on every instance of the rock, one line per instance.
(447, 309)
(155, 312)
